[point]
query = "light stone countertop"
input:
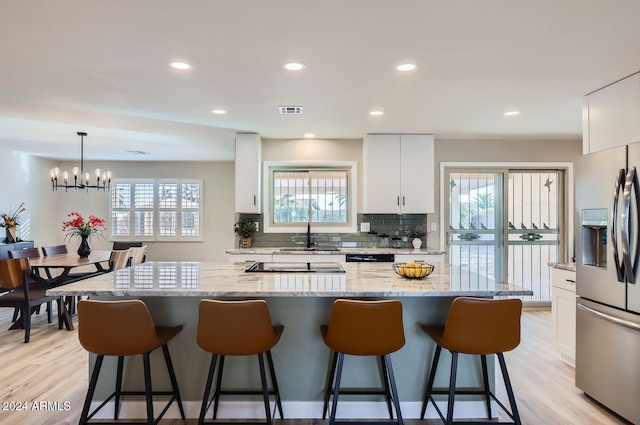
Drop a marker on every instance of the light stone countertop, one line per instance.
(221, 279)
(320, 251)
(564, 266)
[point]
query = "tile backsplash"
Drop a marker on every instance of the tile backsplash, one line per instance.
(392, 225)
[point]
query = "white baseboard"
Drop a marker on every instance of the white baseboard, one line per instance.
(297, 410)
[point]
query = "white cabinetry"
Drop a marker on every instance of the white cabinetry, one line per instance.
(427, 258)
(308, 258)
(398, 173)
(250, 257)
(563, 308)
(248, 172)
(611, 115)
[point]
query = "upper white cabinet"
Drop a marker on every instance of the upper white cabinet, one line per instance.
(248, 172)
(611, 116)
(398, 174)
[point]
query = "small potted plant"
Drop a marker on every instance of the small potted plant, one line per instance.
(245, 229)
(416, 234)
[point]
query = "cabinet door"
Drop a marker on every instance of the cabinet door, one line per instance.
(613, 115)
(381, 174)
(248, 173)
(417, 174)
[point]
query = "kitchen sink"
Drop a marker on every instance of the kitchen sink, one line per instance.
(311, 249)
(315, 267)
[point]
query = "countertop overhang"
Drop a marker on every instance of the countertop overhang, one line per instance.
(218, 279)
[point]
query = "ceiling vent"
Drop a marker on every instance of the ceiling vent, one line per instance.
(290, 110)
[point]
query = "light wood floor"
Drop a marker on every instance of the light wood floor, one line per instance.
(53, 368)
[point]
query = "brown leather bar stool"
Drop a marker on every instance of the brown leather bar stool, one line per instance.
(124, 328)
(476, 326)
(363, 328)
(237, 328)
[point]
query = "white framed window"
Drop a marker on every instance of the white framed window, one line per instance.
(156, 209)
(298, 193)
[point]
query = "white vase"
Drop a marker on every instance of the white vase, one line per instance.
(417, 243)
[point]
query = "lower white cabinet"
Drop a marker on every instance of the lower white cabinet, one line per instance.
(249, 257)
(563, 311)
(427, 258)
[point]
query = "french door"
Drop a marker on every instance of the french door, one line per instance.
(505, 224)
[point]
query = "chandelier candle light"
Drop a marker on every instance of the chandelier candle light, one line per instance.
(81, 180)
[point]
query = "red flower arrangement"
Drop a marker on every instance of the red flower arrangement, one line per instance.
(77, 226)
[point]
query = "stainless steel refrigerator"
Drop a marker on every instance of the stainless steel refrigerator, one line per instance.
(607, 280)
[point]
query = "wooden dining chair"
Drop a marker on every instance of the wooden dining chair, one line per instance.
(134, 251)
(138, 255)
(119, 259)
(14, 277)
(29, 253)
(54, 250)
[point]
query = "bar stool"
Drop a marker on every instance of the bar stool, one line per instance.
(124, 328)
(476, 326)
(237, 328)
(363, 328)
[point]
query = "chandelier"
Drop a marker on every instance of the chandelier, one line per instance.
(81, 180)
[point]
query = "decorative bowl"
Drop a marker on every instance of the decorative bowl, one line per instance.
(413, 269)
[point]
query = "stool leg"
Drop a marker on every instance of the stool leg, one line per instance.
(336, 390)
(174, 381)
(49, 312)
(507, 385)
(274, 380)
(116, 412)
(394, 389)
(327, 390)
(147, 388)
(385, 379)
(92, 387)
(216, 394)
(207, 389)
(432, 376)
(485, 382)
(452, 387)
(265, 389)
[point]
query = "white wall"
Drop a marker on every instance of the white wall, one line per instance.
(26, 179)
(218, 206)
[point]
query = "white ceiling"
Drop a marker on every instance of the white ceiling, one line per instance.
(102, 67)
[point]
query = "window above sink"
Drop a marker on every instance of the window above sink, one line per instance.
(320, 193)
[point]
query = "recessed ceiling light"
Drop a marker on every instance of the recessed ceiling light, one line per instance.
(293, 66)
(219, 111)
(406, 67)
(309, 135)
(511, 113)
(376, 113)
(183, 66)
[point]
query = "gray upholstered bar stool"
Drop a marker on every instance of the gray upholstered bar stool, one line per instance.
(363, 328)
(237, 328)
(480, 327)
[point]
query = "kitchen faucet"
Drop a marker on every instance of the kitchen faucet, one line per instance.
(309, 243)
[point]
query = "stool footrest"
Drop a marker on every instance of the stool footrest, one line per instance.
(358, 391)
(244, 392)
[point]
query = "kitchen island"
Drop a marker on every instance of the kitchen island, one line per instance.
(300, 301)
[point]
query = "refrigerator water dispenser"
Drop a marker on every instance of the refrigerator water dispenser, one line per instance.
(594, 237)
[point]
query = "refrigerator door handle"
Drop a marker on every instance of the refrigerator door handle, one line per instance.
(629, 253)
(616, 320)
(620, 272)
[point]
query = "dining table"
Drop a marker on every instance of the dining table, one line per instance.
(65, 263)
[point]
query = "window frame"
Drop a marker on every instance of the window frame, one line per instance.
(157, 209)
(327, 227)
